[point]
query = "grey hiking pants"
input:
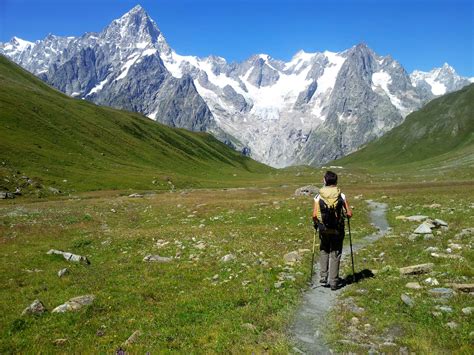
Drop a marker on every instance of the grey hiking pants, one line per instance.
(330, 255)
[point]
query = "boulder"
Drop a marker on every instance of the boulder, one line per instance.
(416, 269)
(424, 228)
(74, 304)
(69, 256)
(157, 258)
(308, 190)
(36, 307)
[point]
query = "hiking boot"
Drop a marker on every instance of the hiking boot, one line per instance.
(335, 287)
(323, 280)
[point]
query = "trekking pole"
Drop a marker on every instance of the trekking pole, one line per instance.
(312, 257)
(350, 243)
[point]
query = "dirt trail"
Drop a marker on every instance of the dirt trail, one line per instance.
(310, 317)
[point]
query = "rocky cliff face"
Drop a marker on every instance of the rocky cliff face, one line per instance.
(309, 110)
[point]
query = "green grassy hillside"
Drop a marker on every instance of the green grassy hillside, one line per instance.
(75, 145)
(440, 134)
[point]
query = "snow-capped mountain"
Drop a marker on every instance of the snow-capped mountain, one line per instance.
(311, 109)
(438, 81)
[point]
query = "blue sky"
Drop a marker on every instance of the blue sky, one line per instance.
(420, 34)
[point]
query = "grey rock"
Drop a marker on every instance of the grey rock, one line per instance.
(278, 284)
(413, 286)
(441, 292)
(468, 310)
(308, 190)
(417, 269)
(417, 218)
(440, 223)
(69, 256)
(407, 300)
(63, 272)
(74, 304)
(54, 190)
(424, 228)
(227, 258)
(444, 309)
(135, 195)
(452, 325)
(292, 257)
(157, 258)
(37, 307)
(5, 195)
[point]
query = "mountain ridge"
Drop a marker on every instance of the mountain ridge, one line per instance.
(276, 111)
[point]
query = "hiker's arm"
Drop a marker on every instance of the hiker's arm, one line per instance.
(347, 208)
(315, 212)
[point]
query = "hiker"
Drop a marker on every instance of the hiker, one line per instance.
(328, 216)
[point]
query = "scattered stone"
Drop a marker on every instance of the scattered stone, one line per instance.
(74, 304)
(135, 195)
(431, 249)
(215, 277)
(468, 310)
(308, 190)
(157, 258)
(464, 233)
(424, 228)
(69, 256)
(452, 325)
(446, 256)
(413, 285)
(200, 246)
(350, 305)
(407, 300)
(278, 284)
(444, 309)
(463, 287)
(355, 321)
(440, 223)
(417, 269)
(54, 190)
(227, 258)
(63, 272)
(441, 292)
(250, 327)
(455, 246)
(417, 218)
(292, 257)
(132, 338)
(434, 205)
(36, 307)
(60, 341)
(400, 217)
(432, 281)
(4, 195)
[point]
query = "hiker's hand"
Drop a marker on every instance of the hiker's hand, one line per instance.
(349, 214)
(315, 225)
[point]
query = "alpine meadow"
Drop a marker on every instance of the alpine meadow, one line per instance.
(156, 202)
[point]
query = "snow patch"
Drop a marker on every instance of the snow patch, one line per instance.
(98, 87)
(126, 67)
(437, 88)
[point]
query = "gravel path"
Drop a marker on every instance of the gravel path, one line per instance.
(310, 317)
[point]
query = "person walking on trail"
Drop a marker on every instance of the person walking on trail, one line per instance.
(330, 205)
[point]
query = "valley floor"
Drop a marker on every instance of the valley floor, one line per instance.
(227, 287)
